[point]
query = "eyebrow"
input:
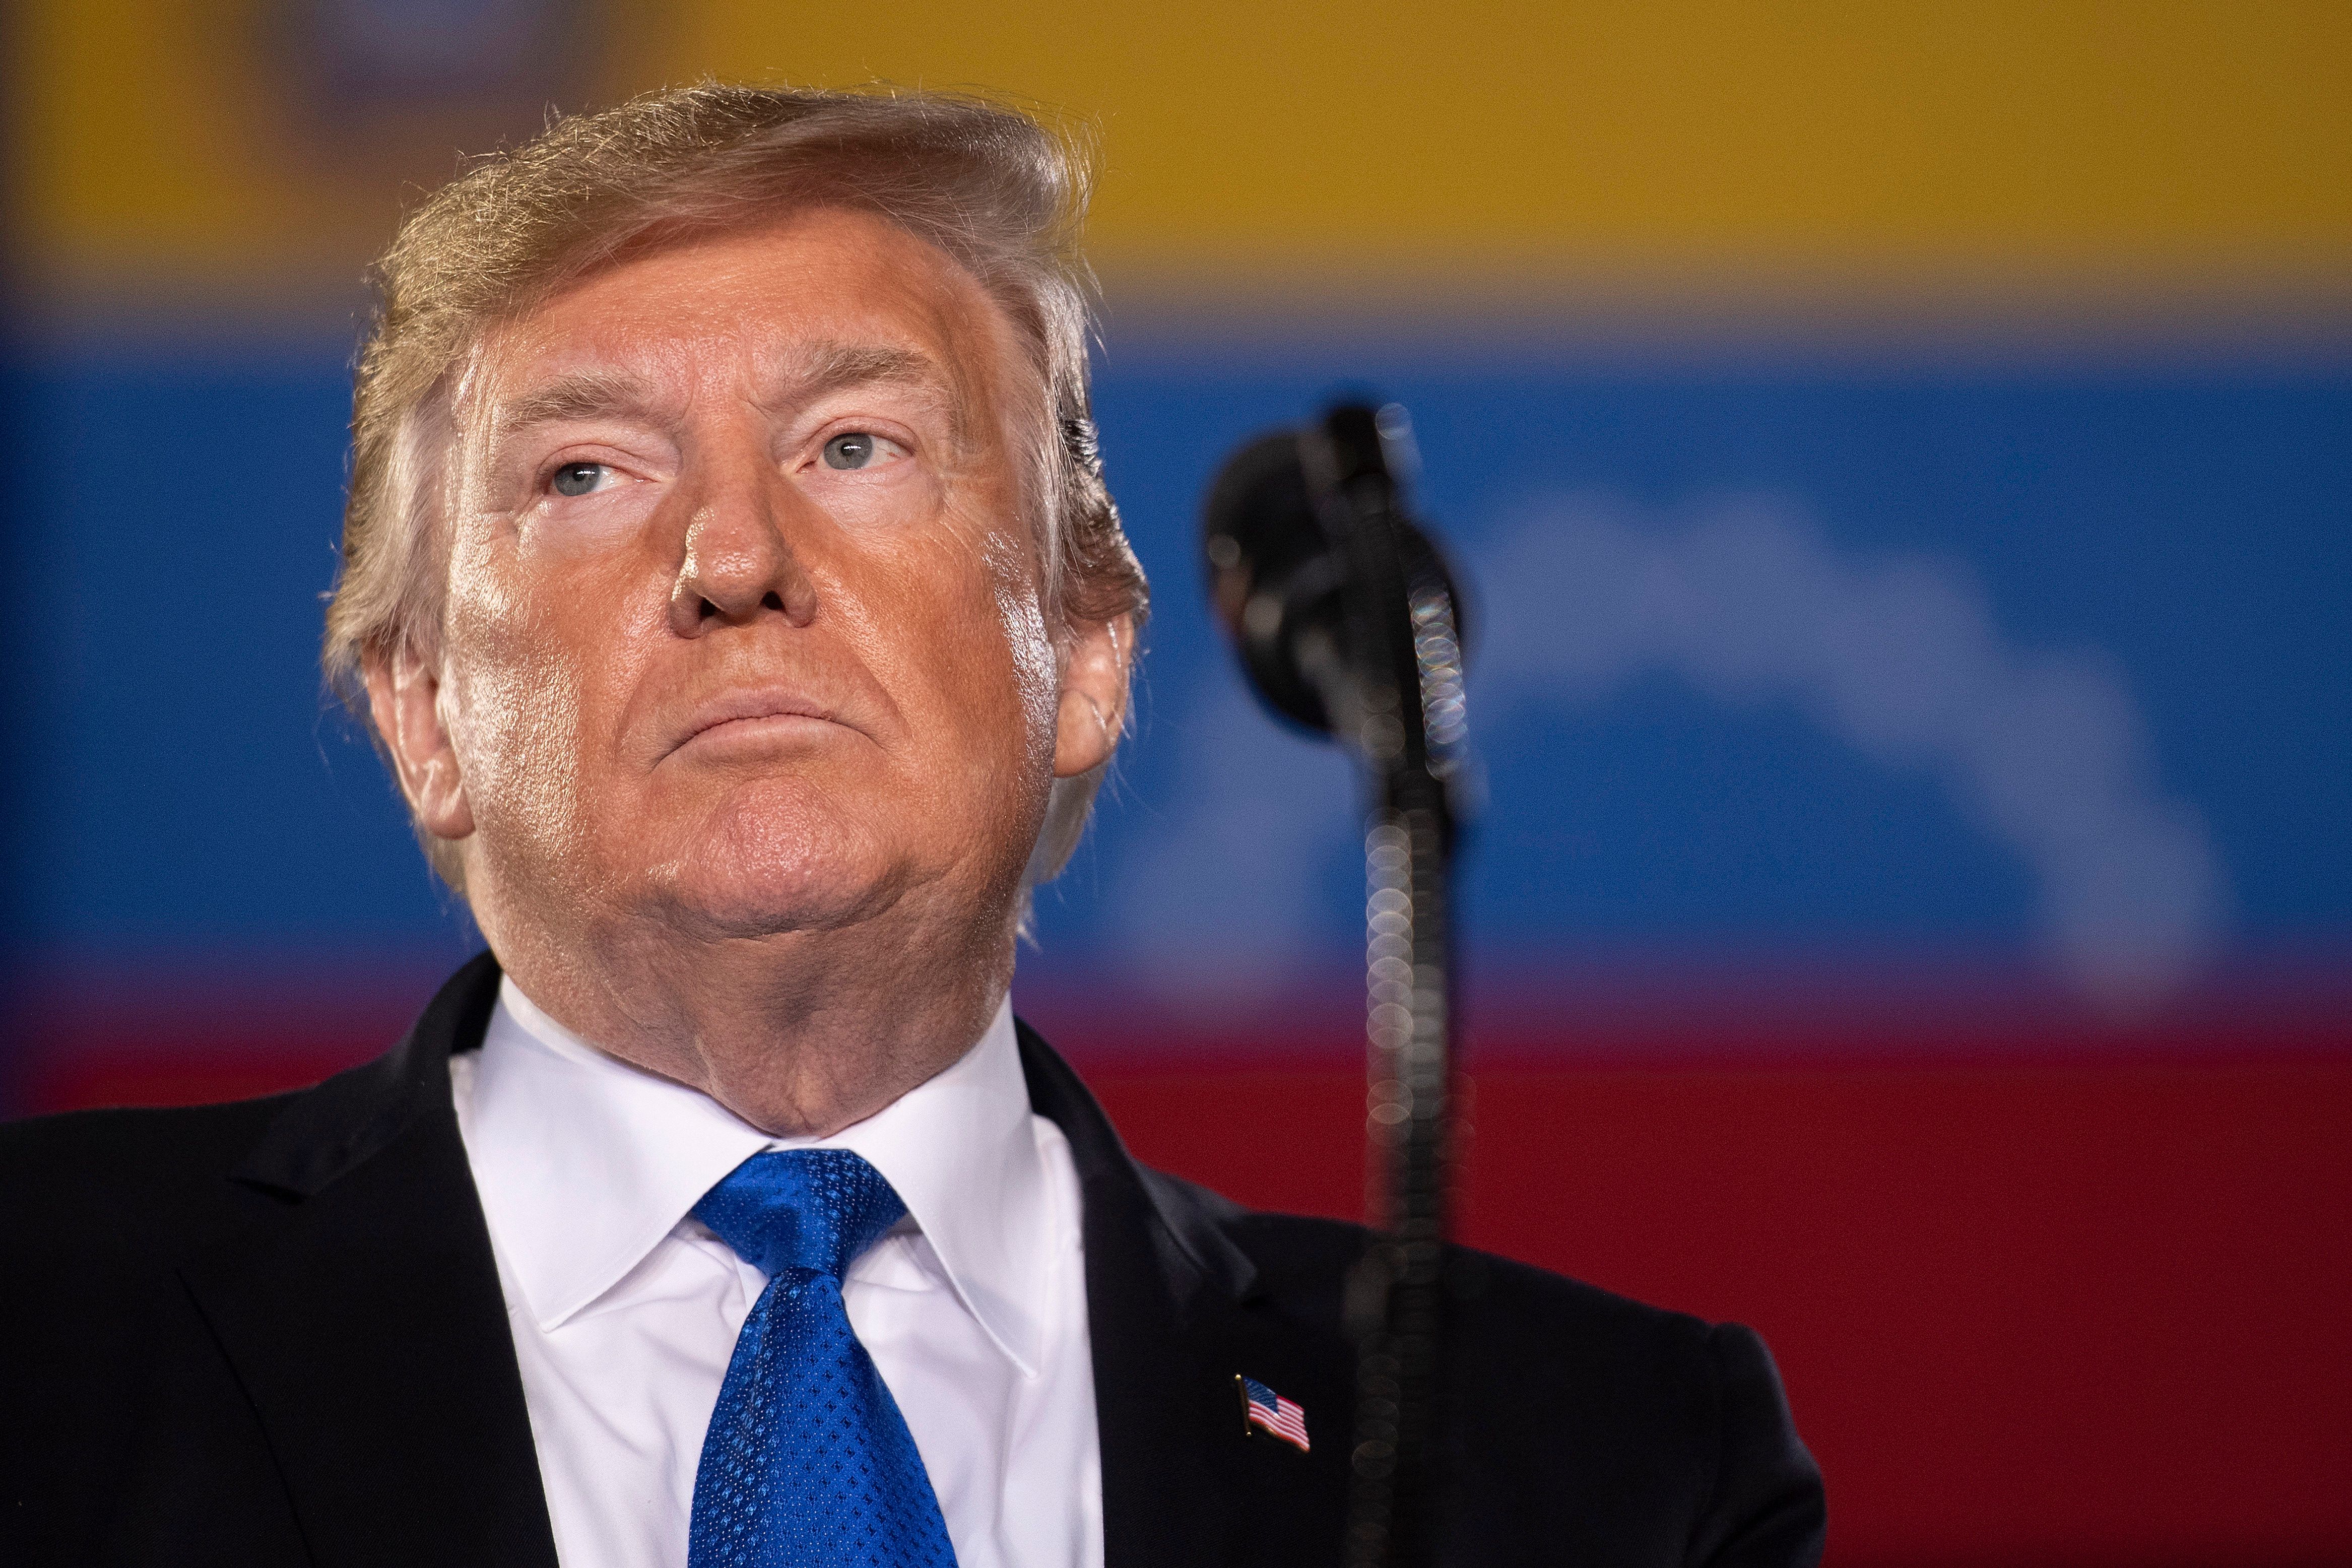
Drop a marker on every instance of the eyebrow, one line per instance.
(584, 394)
(827, 366)
(815, 371)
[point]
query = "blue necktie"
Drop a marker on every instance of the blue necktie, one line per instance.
(808, 1460)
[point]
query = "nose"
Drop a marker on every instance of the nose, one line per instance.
(738, 561)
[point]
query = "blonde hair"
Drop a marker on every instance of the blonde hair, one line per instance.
(986, 184)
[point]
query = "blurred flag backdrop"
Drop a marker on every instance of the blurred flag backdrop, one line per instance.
(1900, 456)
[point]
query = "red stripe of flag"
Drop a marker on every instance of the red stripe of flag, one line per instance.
(1286, 1420)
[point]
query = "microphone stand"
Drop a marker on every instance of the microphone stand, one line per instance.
(1399, 700)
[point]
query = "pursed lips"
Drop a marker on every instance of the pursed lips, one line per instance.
(746, 707)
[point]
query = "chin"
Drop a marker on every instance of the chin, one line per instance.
(761, 867)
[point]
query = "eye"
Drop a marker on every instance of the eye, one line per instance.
(860, 449)
(579, 479)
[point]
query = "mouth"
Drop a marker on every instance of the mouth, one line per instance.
(754, 714)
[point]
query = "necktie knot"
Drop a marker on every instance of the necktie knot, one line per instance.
(812, 1210)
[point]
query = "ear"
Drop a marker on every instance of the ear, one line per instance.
(1094, 694)
(405, 701)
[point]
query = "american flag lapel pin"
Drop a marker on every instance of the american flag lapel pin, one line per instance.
(1263, 1410)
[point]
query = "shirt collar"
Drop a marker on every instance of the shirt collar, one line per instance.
(585, 1162)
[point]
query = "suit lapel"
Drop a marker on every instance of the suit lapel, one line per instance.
(363, 1315)
(1174, 1310)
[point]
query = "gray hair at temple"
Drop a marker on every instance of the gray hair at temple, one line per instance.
(989, 186)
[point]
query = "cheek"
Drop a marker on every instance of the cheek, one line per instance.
(957, 636)
(526, 684)
(1005, 663)
(1036, 668)
(515, 725)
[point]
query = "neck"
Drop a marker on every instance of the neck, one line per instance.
(799, 1033)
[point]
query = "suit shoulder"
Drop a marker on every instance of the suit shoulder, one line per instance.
(1175, 1193)
(1297, 1252)
(121, 1180)
(134, 1142)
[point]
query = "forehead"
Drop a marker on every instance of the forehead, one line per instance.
(757, 302)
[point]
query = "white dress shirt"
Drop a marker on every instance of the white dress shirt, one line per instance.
(625, 1309)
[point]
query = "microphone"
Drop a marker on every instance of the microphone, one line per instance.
(1347, 623)
(1283, 531)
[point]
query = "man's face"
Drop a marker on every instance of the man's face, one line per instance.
(743, 628)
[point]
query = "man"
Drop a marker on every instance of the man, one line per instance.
(729, 582)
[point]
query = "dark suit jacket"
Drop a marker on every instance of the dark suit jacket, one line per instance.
(271, 1333)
